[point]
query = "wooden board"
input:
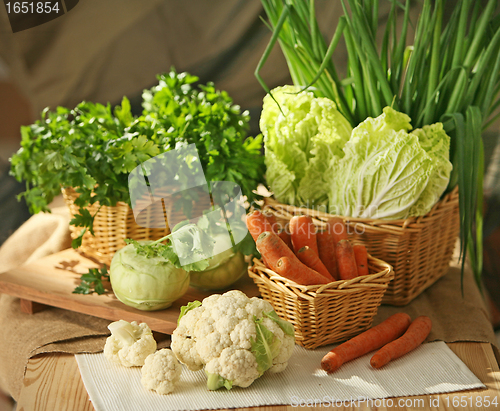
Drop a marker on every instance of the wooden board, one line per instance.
(52, 279)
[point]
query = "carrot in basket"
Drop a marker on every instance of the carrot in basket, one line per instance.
(303, 232)
(272, 248)
(372, 339)
(346, 262)
(361, 257)
(326, 251)
(299, 272)
(257, 223)
(285, 236)
(311, 259)
(337, 228)
(272, 220)
(415, 335)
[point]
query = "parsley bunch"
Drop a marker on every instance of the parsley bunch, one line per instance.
(94, 147)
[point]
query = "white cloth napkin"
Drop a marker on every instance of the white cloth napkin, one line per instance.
(430, 369)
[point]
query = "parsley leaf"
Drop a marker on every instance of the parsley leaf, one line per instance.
(92, 281)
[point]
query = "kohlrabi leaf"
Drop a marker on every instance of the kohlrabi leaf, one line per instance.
(284, 325)
(265, 347)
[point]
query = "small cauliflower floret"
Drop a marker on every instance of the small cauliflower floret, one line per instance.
(234, 337)
(129, 343)
(161, 371)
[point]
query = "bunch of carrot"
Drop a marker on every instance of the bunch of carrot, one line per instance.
(304, 254)
(393, 338)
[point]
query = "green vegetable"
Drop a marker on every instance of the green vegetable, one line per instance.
(146, 282)
(215, 381)
(178, 112)
(92, 281)
(389, 173)
(93, 147)
(449, 72)
(302, 134)
(284, 325)
(185, 308)
(223, 270)
(265, 347)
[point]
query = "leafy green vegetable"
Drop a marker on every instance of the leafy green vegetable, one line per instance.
(174, 249)
(448, 72)
(177, 112)
(92, 281)
(93, 147)
(265, 347)
(302, 134)
(386, 173)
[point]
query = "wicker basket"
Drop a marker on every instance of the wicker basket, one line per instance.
(418, 248)
(329, 313)
(112, 225)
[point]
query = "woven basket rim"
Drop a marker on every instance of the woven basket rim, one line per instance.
(380, 279)
(393, 226)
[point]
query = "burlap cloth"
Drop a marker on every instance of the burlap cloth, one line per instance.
(54, 330)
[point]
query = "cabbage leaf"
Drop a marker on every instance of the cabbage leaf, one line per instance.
(302, 134)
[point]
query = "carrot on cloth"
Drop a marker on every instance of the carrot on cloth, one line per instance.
(257, 223)
(285, 236)
(272, 248)
(311, 259)
(326, 251)
(303, 233)
(299, 272)
(361, 257)
(370, 340)
(346, 261)
(337, 228)
(415, 335)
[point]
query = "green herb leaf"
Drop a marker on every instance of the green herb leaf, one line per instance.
(92, 281)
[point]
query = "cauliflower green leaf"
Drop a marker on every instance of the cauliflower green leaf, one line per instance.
(284, 325)
(265, 347)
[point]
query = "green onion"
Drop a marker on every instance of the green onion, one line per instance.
(449, 72)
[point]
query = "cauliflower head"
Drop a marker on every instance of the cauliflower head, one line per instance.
(233, 337)
(129, 343)
(161, 371)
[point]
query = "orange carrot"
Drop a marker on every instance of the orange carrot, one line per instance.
(299, 273)
(311, 259)
(257, 223)
(285, 236)
(415, 335)
(303, 233)
(372, 339)
(272, 248)
(272, 220)
(346, 262)
(361, 257)
(326, 251)
(337, 228)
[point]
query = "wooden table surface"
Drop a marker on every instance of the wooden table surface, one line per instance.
(53, 383)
